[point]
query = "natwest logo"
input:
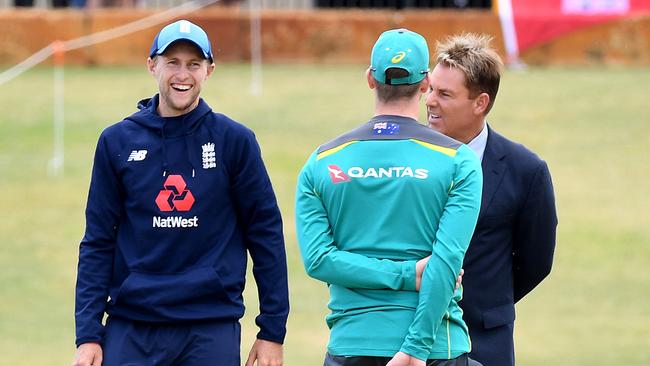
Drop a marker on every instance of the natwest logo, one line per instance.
(174, 222)
(175, 196)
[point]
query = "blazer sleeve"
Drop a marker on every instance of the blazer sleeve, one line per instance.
(534, 236)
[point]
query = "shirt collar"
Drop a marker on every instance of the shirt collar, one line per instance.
(478, 143)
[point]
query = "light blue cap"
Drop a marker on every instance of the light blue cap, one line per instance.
(402, 49)
(181, 30)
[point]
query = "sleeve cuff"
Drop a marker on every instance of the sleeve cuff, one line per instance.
(268, 337)
(408, 274)
(83, 340)
(412, 351)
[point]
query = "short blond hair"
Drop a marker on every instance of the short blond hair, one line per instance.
(474, 56)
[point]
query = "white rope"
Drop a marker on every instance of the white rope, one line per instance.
(27, 64)
(104, 36)
(137, 25)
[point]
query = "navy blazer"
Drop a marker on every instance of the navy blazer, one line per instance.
(511, 251)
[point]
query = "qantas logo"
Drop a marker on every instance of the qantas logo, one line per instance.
(175, 197)
(338, 176)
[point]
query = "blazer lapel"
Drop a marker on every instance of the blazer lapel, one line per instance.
(493, 166)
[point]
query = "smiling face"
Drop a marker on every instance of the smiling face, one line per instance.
(451, 110)
(180, 73)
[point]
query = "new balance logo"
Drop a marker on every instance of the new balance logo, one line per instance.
(137, 155)
(209, 157)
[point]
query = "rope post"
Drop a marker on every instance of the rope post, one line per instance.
(55, 167)
(507, 20)
(256, 46)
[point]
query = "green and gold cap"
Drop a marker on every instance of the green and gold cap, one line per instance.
(402, 49)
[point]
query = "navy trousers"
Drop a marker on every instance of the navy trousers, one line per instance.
(130, 343)
(330, 360)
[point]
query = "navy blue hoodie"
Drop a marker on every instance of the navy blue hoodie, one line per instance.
(174, 205)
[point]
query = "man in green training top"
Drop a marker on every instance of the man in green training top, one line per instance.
(372, 203)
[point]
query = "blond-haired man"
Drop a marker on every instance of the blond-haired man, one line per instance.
(511, 251)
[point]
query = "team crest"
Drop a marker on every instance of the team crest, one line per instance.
(209, 157)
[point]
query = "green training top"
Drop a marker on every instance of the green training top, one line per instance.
(369, 204)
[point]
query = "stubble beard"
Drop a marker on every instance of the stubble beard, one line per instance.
(180, 106)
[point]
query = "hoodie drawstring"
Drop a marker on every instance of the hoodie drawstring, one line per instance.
(148, 117)
(189, 154)
(187, 147)
(164, 150)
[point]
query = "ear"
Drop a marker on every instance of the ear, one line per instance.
(151, 65)
(424, 84)
(372, 83)
(211, 68)
(481, 103)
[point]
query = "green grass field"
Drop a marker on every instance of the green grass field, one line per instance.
(590, 125)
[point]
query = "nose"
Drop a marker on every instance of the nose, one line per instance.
(183, 72)
(431, 98)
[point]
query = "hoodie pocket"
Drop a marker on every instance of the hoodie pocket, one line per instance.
(150, 290)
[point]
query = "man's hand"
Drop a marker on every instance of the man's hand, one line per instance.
(419, 269)
(88, 354)
(402, 359)
(459, 280)
(266, 353)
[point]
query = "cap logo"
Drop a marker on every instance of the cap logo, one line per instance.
(184, 26)
(399, 56)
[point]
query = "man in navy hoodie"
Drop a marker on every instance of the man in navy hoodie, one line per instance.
(179, 194)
